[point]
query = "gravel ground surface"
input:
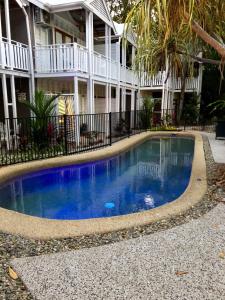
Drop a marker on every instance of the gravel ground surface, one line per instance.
(184, 262)
(14, 246)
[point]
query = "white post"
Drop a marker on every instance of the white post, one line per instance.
(76, 109)
(8, 32)
(132, 107)
(110, 98)
(107, 98)
(133, 56)
(31, 81)
(76, 96)
(13, 95)
(107, 50)
(123, 99)
(14, 108)
(117, 98)
(2, 56)
(5, 96)
(90, 45)
(110, 52)
(6, 110)
(124, 54)
(7, 20)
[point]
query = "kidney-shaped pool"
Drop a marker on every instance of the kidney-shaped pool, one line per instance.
(147, 176)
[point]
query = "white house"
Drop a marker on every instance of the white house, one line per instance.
(74, 48)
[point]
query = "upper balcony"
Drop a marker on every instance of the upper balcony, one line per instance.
(160, 80)
(69, 58)
(14, 56)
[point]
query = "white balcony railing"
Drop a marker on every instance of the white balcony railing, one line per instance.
(128, 75)
(152, 81)
(99, 65)
(192, 83)
(73, 57)
(14, 55)
(61, 58)
(160, 79)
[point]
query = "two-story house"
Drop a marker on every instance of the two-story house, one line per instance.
(73, 48)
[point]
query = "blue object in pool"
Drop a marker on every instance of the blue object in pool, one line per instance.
(109, 205)
(147, 176)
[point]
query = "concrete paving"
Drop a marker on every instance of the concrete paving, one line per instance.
(185, 262)
(218, 148)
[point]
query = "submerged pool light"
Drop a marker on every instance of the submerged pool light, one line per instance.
(149, 200)
(109, 205)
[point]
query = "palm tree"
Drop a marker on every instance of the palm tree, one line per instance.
(171, 33)
(167, 27)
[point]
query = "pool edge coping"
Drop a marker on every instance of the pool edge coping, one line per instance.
(44, 229)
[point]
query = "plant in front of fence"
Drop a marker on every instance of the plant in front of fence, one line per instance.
(146, 114)
(43, 127)
(121, 128)
(219, 107)
(190, 114)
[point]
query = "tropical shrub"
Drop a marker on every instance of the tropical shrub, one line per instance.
(41, 123)
(146, 112)
(190, 114)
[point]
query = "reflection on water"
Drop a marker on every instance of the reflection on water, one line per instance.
(147, 176)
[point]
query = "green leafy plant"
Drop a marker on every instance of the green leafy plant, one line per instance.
(218, 106)
(190, 112)
(42, 105)
(147, 112)
(41, 123)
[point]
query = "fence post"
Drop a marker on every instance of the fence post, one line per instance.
(129, 120)
(65, 133)
(184, 124)
(110, 128)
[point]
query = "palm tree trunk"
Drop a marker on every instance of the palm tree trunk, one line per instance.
(182, 92)
(208, 39)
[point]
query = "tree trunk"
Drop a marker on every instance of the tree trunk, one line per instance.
(208, 39)
(182, 92)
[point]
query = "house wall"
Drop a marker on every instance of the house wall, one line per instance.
(100, 48)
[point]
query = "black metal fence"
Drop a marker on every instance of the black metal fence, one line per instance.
(27, 139)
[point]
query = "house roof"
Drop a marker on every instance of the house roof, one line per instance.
(98, 7)
(120, 30)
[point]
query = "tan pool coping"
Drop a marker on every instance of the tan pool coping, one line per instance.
(39, 228)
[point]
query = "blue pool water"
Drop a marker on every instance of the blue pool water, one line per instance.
(147, 176)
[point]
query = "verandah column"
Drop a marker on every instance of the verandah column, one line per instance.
(2, 52)
(76, 107)
(90, 46)
(6, 109)
(5, 96)
(8, 31)
(118, 98)
(132, 106)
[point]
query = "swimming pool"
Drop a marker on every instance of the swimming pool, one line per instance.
(147, 176)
